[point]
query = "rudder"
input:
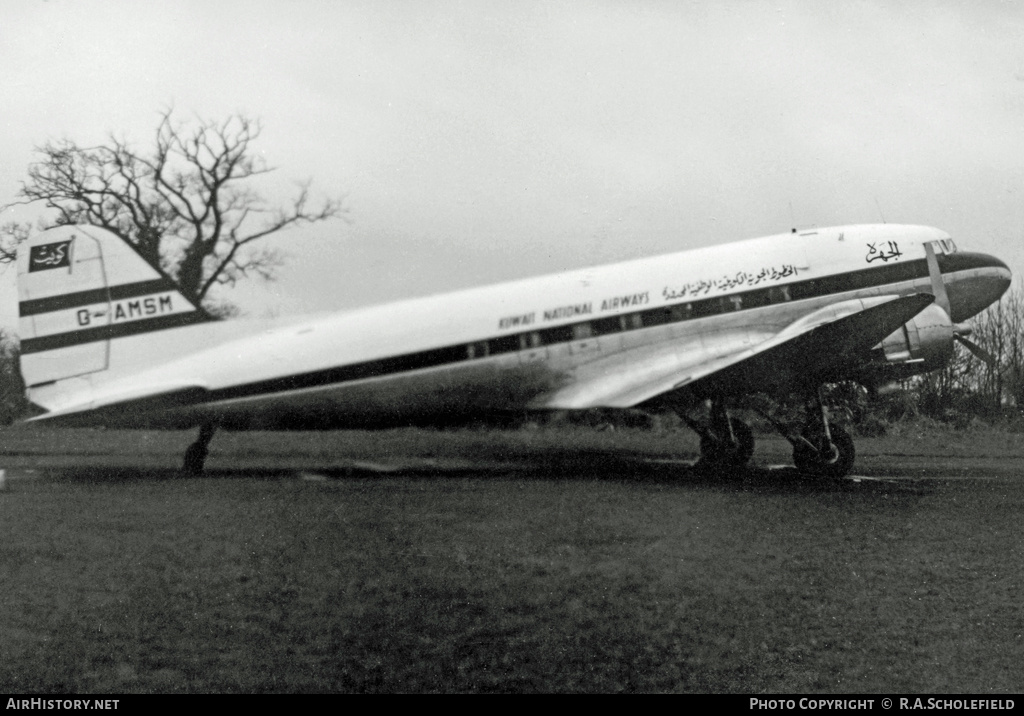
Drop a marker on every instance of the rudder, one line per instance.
(81, 287)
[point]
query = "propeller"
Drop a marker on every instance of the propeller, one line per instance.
(935, 274)
(960, 330)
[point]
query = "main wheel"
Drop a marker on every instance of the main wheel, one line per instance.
(720, 453)
(835, 461)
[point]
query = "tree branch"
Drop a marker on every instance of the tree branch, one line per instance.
(186, 204)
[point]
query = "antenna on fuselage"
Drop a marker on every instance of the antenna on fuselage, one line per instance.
(878, 206)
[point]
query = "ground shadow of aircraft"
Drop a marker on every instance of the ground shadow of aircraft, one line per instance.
(541, 466)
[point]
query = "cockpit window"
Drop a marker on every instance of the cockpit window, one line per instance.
(948, 246)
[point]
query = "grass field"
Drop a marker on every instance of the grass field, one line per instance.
(549, 560)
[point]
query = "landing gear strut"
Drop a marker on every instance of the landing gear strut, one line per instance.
(725, 443)
(195, 456)
(820, 447)
(823, 448)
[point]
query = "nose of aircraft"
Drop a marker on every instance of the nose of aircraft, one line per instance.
(1007, 274)
(998, 273)
(981, 280)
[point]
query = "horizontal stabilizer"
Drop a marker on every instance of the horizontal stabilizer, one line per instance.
(124, 408)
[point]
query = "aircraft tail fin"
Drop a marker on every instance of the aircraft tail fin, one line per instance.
(80, 289)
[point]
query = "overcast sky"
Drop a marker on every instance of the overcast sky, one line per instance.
(479, 141)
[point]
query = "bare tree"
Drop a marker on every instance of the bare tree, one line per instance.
(970, 385)
(185, 204)
(12, 234)
(1000, 330)
(940, 393)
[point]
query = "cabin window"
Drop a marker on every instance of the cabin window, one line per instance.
(683, 312)
(805, 289)
(505, 344)
(732, 303)
(706, 308)
(477, 350)
(658, 317)
(756, 299)
(559, 334)
(426, 359)
(672, 314)
(778, 294)
(581, 331)
(604, 326)
(529, 340)
(632, 321)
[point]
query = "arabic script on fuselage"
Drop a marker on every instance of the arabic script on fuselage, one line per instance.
(696, 289)
(883, 252)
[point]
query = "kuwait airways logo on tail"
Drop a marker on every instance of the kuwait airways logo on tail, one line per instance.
(50, 256)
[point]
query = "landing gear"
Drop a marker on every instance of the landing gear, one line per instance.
(195, 456)
(825, 453)
(823, 448)
(820, 447)
(727, 450)
(725, 443)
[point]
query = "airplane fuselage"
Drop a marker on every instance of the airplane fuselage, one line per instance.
(523, 345)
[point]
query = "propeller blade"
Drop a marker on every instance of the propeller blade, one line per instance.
(935, 274)
(977, 350)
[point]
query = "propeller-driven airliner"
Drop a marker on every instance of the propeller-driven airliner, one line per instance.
(107, 339)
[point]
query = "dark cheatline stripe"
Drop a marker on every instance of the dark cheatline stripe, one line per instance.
(116, 330)
(97, 295)
(344, 374)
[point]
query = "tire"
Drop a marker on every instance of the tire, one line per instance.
(719, 454)
(838, 464)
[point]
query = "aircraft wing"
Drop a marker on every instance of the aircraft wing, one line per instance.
(808, 350)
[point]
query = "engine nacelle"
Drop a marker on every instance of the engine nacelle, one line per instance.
(925, 342)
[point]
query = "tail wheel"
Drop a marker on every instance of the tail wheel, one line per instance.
(834, 459)
(195, 459)
(195, 456)
(718, 452)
